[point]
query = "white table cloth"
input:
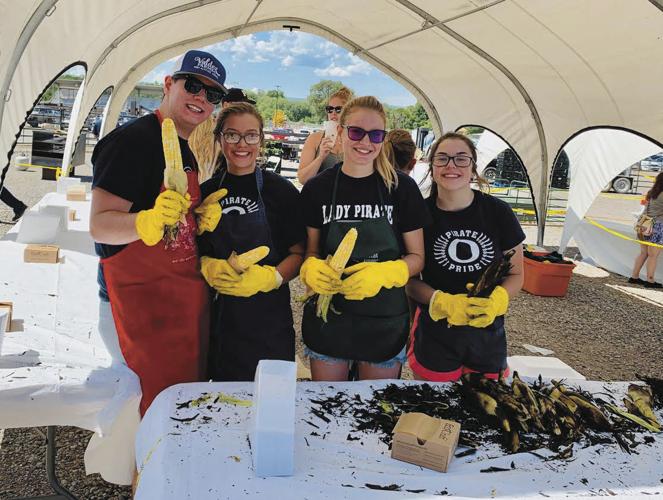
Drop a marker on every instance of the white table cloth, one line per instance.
(210, 458)
(56, 366)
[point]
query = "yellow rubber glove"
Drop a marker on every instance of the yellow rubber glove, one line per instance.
(209, 211)
(453, 307)
(255, 279)
(483, 311)
(319, 276)
(169, 208)
(217, 272)
(368, 278)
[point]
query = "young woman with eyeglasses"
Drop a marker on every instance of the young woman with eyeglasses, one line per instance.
(368, 319)
(453, 334)
(319, 152)
(251, 314)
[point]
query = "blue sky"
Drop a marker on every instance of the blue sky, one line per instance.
(295, 61)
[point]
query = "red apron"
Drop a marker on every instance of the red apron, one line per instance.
(160, 305)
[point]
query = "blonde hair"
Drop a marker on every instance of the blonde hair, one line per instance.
(344, 94)
(381, 164)
(400, 148)
(204, 148)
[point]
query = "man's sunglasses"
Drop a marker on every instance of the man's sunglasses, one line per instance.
(194, 86)
(358, 133)
(329, 109)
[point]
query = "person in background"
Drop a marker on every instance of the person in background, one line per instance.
(368, 319)
(251, 314)
(14, 203)
(235, 95)
(158, 297)
(649, 253)
(400, 150)
(451, 333)
(319, 152)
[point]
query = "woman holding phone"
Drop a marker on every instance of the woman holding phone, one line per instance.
(322, 150)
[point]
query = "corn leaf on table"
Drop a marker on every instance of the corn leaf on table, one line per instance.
(192, 443)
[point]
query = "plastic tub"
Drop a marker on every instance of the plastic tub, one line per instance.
(547, 279)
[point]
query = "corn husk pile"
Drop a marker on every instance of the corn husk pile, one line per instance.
(519, 416)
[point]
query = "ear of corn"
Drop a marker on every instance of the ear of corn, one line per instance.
(337, 262)
(242, 262)
(174, 176)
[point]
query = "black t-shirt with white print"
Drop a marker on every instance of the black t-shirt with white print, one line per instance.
(358, 198)
(129, 163)
(282, 205)
(460, 245)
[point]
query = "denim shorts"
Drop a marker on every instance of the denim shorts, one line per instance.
(401, 357)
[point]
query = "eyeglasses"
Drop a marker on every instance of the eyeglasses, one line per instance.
(251, 138)
(194, 86)
(337, 109)
(461, 161)
(358, 133)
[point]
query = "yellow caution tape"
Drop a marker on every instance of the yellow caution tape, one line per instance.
(622, 236)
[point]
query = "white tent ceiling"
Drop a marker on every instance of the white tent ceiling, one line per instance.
(534, 71)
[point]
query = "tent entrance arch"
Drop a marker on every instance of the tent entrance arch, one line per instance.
(524, 69)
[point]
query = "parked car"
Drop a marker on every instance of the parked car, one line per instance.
(652, 164)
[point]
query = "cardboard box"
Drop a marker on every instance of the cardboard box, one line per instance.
(76, 193)
(45, 254)
(426, 441)
(5, 316)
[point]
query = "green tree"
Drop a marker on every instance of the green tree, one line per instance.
(297, 111)
(319, 95)
(50, 93)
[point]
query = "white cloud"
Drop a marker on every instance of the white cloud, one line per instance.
(288, 61)
(347, 66)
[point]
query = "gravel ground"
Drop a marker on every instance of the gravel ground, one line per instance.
(599, 329)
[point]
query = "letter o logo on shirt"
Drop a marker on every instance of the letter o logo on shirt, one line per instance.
(474, 251)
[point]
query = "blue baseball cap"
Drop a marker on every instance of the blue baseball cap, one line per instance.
(198, 62)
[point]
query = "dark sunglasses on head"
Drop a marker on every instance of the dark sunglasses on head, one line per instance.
(358, 133)
(193, 86)
(329, 109)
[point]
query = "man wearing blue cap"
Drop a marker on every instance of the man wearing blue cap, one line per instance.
(151, 277)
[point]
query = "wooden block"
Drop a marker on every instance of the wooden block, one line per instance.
(72, 214)
(76, 193)
(43, 254)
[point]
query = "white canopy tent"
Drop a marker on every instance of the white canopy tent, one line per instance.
(534, 71)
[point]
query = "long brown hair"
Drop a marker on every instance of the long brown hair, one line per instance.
(656, 189)
(483, 183)
(400, 148)
(381, 164)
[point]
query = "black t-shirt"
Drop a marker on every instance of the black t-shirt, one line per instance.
(460, 245)
(129, 163)
(282, 204)
(358, 198)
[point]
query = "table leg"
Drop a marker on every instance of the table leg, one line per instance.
(62, 493)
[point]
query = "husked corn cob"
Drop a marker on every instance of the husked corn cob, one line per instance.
(337, 262)
(174, 176)
(242, 262)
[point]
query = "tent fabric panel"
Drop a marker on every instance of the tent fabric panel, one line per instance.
(595, 158)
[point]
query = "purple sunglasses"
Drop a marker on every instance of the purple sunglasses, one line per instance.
(358, 133)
